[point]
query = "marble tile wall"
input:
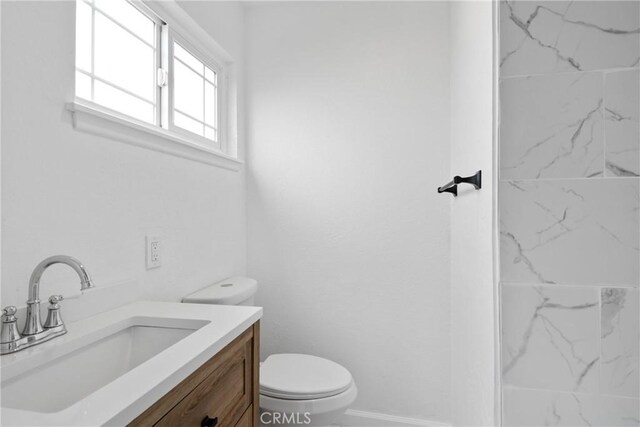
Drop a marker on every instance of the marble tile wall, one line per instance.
(569, 200)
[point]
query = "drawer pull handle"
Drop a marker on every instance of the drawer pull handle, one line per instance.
(209, 422)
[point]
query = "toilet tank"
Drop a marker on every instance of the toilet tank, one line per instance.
(235, 290)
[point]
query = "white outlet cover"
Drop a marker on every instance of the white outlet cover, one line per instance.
(153, 252)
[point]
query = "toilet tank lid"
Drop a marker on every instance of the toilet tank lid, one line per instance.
(230, 291)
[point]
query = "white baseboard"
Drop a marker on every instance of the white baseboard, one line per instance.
(355, 418)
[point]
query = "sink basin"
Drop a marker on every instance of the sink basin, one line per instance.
(109, 368)
(96, 363)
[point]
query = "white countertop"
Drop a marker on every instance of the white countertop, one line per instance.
(120, 401)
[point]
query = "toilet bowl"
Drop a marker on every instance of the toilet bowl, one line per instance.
(300, 389)
(295, 389)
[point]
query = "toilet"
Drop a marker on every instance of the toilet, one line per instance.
(295, 389)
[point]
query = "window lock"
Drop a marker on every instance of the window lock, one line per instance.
(163, 77)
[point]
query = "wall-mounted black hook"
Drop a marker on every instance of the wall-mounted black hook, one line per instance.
(452, 186)
(475, 180)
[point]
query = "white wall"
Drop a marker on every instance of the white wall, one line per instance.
(0, 139)
(473, 356)
(348, 128)
(348, 137)
(64, 191)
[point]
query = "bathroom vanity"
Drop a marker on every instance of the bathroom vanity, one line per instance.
(222, 392)
(142, 364)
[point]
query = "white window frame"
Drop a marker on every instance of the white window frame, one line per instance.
(172, 23)
(157, 57)
(207, 60)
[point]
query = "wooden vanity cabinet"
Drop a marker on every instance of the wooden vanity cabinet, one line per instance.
(223, 392)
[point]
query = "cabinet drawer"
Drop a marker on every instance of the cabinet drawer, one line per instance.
(225, 394)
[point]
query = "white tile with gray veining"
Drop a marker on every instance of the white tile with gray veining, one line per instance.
(622, 124)
(550, 337)
(560, 36)
(620, 330)
(551, 126)
(580, 232)
(548, 408)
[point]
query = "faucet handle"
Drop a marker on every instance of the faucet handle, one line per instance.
(9, 312)
(53, 317)
(55, 299)
(9, 331)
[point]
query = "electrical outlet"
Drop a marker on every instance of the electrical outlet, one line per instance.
(154, 252)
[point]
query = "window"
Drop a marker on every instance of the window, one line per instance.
(116, 57)
(195, 95)
(131, 62)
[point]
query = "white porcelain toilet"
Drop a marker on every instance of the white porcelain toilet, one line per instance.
(295, 389)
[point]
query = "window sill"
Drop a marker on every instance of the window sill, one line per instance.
(91, 118)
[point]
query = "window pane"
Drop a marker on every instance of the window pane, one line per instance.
(130, 17)
(83, 35)
(211, 75)
(122, 59)
(187, 58)
(83, 86)
(187, 123)
(210, 105)
(188, 91)
(120, 101)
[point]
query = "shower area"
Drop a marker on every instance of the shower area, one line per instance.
(569, 218)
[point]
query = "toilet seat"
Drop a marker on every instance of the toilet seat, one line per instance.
(302, 377)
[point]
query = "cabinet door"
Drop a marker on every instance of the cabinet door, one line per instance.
(221, 398)
(247, 418)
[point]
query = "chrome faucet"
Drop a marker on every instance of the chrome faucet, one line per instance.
(34, 332)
